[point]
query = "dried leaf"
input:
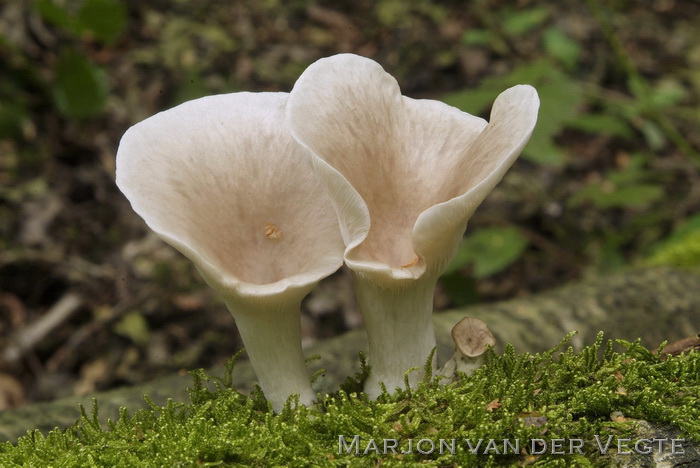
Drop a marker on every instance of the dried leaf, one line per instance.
(684, 345)
(495, 404)
(188, 301)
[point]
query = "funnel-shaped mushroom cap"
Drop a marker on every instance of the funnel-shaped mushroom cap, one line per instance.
(472, 337)
(221, 180)
(405, 175)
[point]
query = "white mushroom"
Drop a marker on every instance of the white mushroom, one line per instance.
(221, 180)
(404, 176)
(472, 339)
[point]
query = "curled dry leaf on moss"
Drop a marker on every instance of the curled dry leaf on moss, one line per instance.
(228, 181)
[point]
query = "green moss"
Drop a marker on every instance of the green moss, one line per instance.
(681, 251)
(564, 395)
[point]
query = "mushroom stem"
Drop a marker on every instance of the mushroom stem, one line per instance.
(399, 323)
(272, 338)
(461, 363)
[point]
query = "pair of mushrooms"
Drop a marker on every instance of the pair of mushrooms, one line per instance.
(268, 193)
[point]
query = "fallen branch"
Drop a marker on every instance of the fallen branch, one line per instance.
(29, 336)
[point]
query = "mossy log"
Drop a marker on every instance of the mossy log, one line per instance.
(652, 304)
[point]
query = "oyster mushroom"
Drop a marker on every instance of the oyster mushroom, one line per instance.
(221, 180)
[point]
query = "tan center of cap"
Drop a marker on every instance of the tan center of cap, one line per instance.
(272, 231)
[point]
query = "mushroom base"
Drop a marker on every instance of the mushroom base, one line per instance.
(399, 325)
(271, 333)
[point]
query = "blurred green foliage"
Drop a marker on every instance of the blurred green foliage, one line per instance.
(560, 102)
(77, 85)
(490, 250)
(79, 88)
(630, 187)
(681, 248)
(14, 92)
(104, 20)
(681, 252)
(133, 326)
(621, 200)
(572, 100)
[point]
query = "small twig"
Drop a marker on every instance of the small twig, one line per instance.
(27, 337)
